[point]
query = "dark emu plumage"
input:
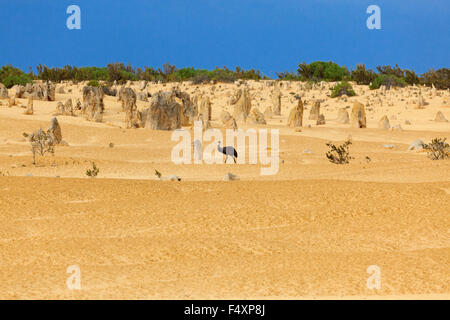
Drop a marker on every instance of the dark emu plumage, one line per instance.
(228, 151)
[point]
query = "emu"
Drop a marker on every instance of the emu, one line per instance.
(228, 151)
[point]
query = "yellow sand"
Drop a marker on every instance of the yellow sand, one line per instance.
(310, 231)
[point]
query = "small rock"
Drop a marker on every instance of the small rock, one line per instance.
(172, 178)
(397, 127)
(416, 145)
(230, 177)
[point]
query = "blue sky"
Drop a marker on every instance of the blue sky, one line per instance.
(270, 35)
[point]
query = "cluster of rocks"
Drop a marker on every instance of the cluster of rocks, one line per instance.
(65, 109)
(38, 91)
(173, 108)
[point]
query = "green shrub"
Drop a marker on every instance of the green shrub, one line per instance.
(388, 81)
(185, 74)
(319, 70)
(225, 75)
(362, 76)
(201, 78)
(288, 76)
(440, 78)
(93, 83)
(388, 70)
(11, 76)
(121, 73)
(411, 77)
(11, 81)
(71, 73)
(342, 88)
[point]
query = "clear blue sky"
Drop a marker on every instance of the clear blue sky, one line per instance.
(270, 35)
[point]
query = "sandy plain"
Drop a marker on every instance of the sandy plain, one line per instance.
(310, 231)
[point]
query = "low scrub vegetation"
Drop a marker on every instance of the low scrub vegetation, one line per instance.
(121, 73)
(41, 143)
(312, 72)
(438, 149)
(362, 76)
(93, 83)
(322, 71)
(339, 154)
(11, 76)
(342, 88)
(387, 80)
(93, 171)
(440, 78)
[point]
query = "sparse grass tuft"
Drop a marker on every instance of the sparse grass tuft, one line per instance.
(92, 172)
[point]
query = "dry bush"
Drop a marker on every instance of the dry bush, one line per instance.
(41, 143)
(438, 149)
(92, 172)
(339, 154)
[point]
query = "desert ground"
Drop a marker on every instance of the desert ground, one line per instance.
(308, 232)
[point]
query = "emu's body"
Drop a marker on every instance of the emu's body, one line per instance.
(228, 151)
